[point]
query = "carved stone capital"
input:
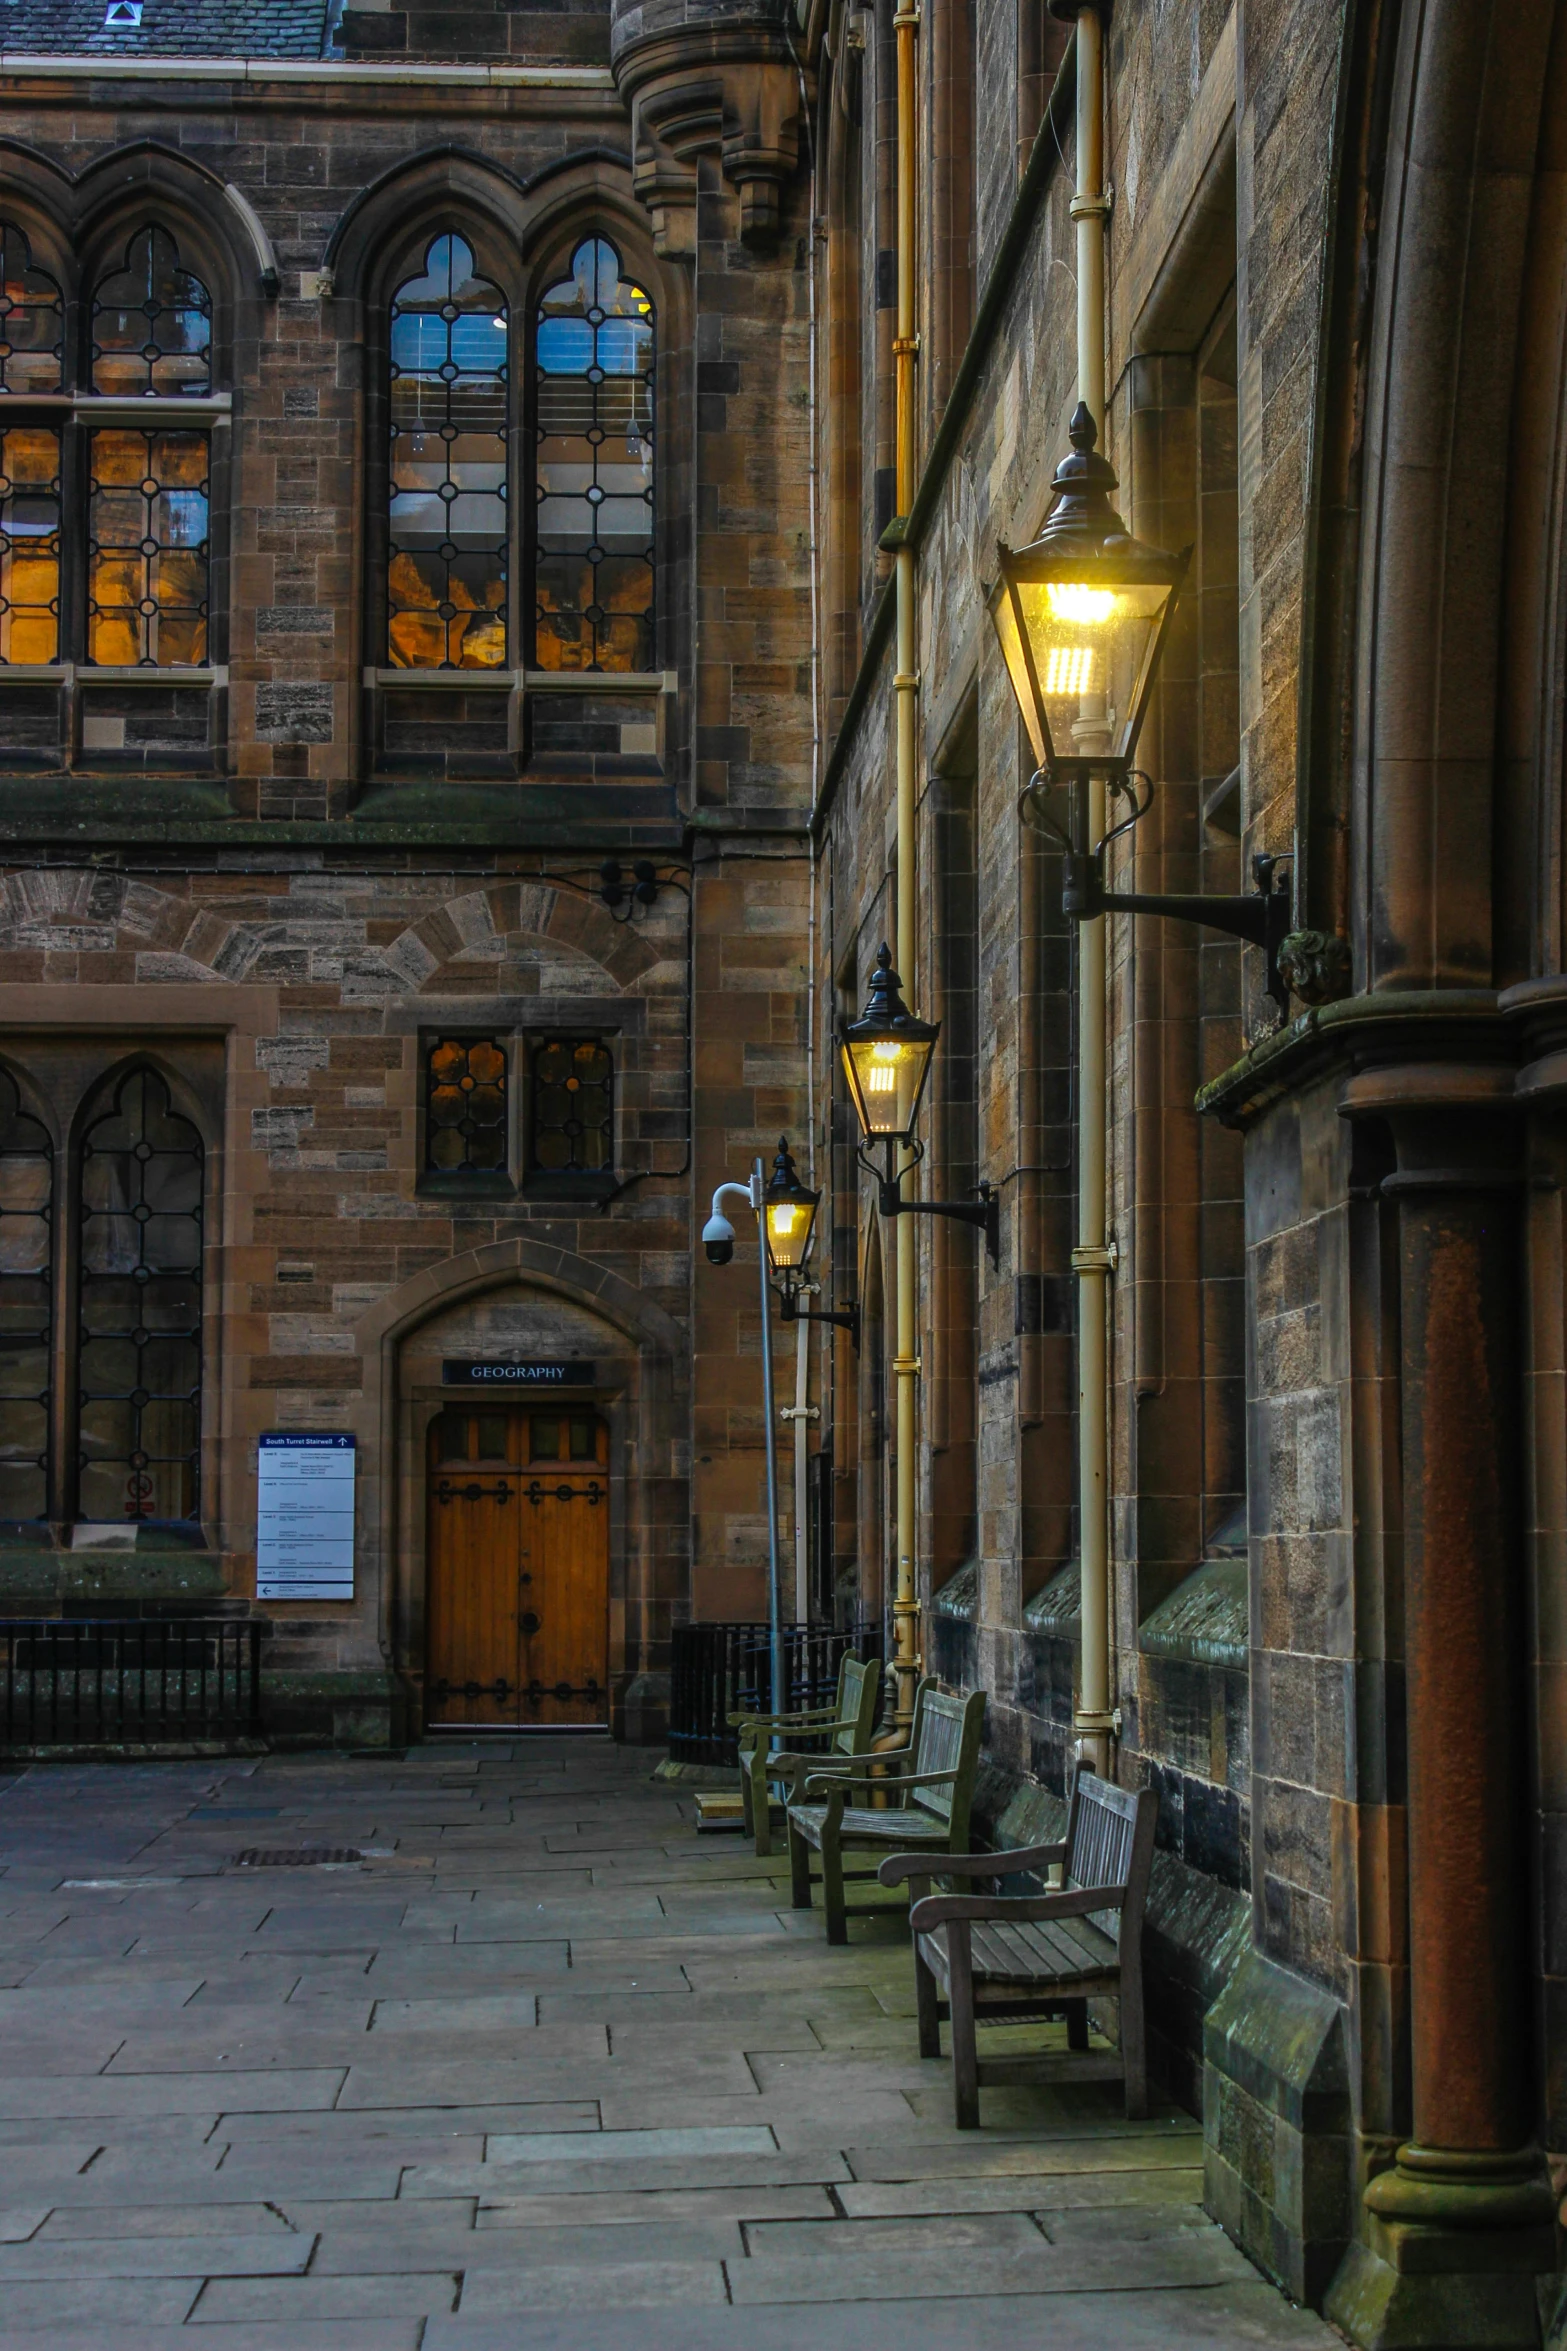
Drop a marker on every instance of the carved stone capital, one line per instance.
(708, 77)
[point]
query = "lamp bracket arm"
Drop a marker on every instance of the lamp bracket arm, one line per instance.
(984, 1213)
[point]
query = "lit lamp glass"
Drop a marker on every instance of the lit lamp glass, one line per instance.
(1081, 616)
(788, 1214)
(886, 1058)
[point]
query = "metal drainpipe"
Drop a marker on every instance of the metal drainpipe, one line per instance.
(906, 1364)
(1092, 1261)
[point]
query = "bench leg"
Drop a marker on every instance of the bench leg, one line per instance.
(926, 2006)
(1077, 2024)
(760, 1806)
(799, 1869)
(833, 1902)
(965, 2050)
(1134, 2053)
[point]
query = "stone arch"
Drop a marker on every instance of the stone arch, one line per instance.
(648, 1405)
(1463, 153)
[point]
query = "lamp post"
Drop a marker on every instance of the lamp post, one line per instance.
(718, 1238)
(1083, 616)
(886, 1059)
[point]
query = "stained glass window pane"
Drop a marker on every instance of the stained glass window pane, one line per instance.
(26, 1256)
(147, 548)
(29, 543)
(446, 576)
(32, 319)
(593, 482)
(465, 1106)
(571, 1128)
(139, 1319)
(152, 324)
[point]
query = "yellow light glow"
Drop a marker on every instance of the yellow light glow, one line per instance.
(782, 1219)
(1085, 607)
(1069, 669)
(881, 1079)
(887, 1051)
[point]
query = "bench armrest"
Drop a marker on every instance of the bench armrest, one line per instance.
(834, 1784)
(1009, 1909)
(784, 1722)
(899, 1866)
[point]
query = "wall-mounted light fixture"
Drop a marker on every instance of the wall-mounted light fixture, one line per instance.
(1083, 616)
(789, 1225)
(886, 1059)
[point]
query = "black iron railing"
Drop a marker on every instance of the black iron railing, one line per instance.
(111, 1682)
(722, 1669)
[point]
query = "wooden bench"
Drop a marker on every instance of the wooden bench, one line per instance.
(926, 1789)
(1009, 1956)
(848, 1726)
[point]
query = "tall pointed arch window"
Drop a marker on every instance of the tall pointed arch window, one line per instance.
(32, 347)
(594, 351)
(149, 488)
(26, 1257)
(139, 1307)
(446, 568)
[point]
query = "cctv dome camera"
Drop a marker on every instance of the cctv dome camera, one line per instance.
(718, 1239)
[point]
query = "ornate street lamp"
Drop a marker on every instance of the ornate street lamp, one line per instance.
(789, 1223)
(1083, 616)
(886, 1059)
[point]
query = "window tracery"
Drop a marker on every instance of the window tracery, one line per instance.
(594, 351)
(447, 568)
(139, 1227)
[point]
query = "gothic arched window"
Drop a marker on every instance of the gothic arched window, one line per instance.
(26, 1255)
(32, 344)
(446, 568)
(149, 486)
(32, 319)
(593, 483)
(139, 1307)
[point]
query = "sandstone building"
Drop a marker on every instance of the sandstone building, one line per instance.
(449, 499)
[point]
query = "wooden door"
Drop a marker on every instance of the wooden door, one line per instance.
(517, 1613)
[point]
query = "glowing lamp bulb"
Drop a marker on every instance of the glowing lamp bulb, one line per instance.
(1084, 607)
(783, 1220)
(1069, 669)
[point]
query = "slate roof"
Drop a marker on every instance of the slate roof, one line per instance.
(168, 28)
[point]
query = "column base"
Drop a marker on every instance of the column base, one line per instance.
(1454, 2247)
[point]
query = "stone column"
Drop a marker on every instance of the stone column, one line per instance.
(1459, 2227)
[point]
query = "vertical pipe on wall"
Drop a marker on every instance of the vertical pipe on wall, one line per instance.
(906, 1367)
(1093, 1721)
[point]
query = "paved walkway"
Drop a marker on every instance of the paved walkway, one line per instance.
(544, 2071)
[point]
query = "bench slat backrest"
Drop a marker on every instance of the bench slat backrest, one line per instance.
(858, 1682)
(949, 1732)
(1110, 1843)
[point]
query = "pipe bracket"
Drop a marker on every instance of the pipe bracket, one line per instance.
(1103, 1260)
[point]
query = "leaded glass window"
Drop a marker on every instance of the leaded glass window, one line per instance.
(465, 1107)
(139, 1313)
(151, 323)
(32, 319)
(147, 548)
(446, 569)
(593, 486)
(29, 543)
(26, 1255)
(571, 1107)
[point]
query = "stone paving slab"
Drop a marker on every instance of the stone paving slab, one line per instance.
(543, 2072)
